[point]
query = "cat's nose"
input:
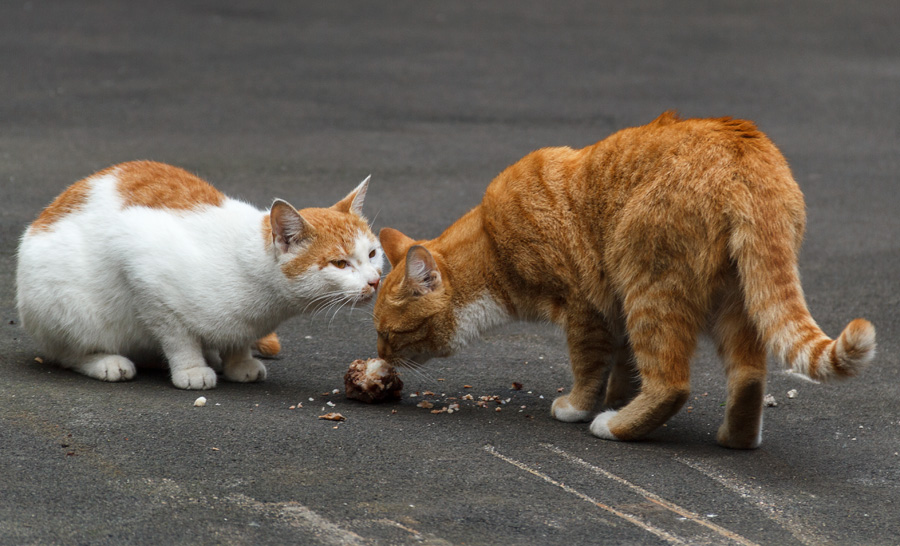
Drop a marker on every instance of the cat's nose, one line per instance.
(374, 283)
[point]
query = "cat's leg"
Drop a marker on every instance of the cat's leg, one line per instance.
(186, 363)
(744, 356)
(663, 334)
(213, 359)
(591, 349)
(102, 366)
(624, 380)
(240, 366)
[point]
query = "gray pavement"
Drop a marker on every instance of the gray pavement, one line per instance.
(301, 100)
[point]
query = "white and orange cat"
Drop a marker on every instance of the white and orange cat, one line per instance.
(144, 260)
(634, 245)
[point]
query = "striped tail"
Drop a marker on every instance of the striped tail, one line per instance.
(767, 266)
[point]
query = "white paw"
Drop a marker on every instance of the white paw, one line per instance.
(245, 370)
(562, 410)
(600, 425)
(108, 368)
(201, 377)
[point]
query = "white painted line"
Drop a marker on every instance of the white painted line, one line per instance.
(665, 535)
(301, 517)
(425, 538)
(771, 505)
(654, 498)
(415, 534)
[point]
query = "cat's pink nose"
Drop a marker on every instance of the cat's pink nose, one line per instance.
(374, 283)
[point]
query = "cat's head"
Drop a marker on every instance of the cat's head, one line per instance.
(328, 255)
(414, 314)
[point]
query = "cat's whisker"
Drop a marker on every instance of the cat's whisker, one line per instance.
(321, 307)
(372, 222)
(333, 304)
(341, 304)
(368, 310)
(416, 369)
(320, 299)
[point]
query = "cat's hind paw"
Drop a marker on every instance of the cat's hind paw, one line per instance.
(199, 378)
(105, 367)
(246, 370)
(562, 410)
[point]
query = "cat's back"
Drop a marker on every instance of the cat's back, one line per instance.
(136, 184)
(115, 224)
(701, 158)
(671, 149)
(562, 209)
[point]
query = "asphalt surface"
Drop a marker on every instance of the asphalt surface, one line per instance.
(301, 100)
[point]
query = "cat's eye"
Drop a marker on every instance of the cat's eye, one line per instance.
(340, 264)
(372, 254)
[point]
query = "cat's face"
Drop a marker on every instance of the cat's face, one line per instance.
(414, 315)
(329, 256)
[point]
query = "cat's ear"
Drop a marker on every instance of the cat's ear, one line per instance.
(353, 203)
(395, 244)
(288, 227)
(422, 274)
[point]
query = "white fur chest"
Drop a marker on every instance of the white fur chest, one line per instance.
(476, 317)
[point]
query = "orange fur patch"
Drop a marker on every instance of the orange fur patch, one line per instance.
(69, 201)
(160, 186)
(267, 231)
(268, 345)
(333, 234)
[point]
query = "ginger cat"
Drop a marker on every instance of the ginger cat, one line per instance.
(144, 260)
(634, 246)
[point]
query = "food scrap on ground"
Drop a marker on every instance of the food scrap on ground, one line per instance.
(372, 380)
(333, 417)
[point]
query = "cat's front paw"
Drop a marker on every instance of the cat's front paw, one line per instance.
(563, 410)
(600, 425)
(746, 439)
(201, 377)
(246, 370)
